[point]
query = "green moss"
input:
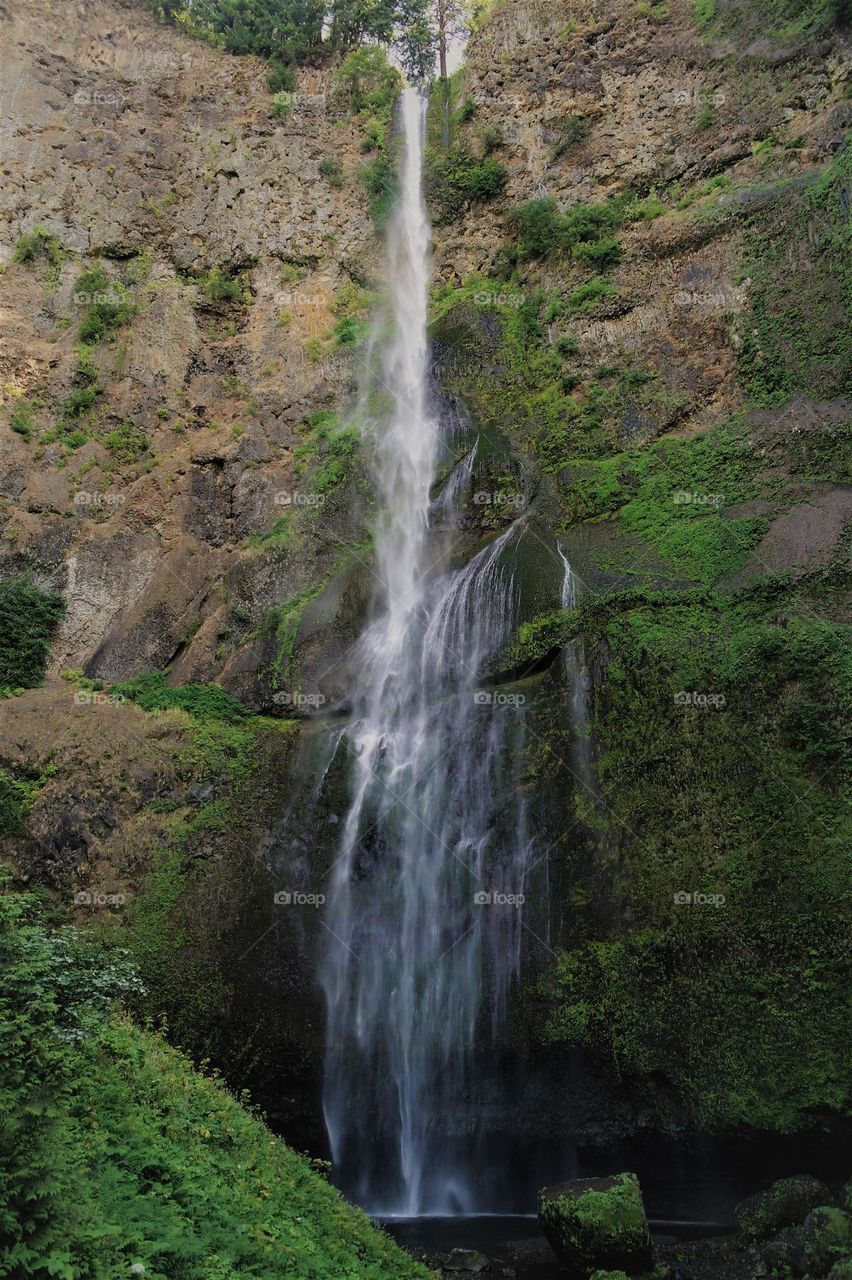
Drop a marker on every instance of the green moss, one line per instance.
(794, 339)
(784, 20)
(29, 616)
(717, 780)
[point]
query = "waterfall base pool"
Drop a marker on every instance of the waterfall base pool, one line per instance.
(514, 1245)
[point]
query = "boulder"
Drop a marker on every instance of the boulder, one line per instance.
(466, 1262)
(785, 1204)
(596, 1224)
(827, 1239)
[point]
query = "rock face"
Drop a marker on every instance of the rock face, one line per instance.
(826, 1239)
(785, 1204)
(596, 1223)
(153, 158)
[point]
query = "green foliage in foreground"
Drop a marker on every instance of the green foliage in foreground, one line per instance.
(739, 1004)
(28, 618)
(115, 1152)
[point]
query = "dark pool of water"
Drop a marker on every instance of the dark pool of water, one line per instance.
(514, 1244)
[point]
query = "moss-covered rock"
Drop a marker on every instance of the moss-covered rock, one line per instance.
(596, 1222)
(785, 1204)
(827, 1238)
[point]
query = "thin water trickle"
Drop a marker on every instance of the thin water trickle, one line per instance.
(420, 947)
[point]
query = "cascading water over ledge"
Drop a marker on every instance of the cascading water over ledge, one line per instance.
(423, 921)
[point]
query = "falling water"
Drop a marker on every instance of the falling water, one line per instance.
(577, 681)
(422, 924)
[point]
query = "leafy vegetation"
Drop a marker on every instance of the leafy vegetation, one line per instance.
(23, 419)
(115, 1153)
(796, 336)
(201, 701)
(108, 305)
(733, 999)
(454, 179)
(39, 243)
(29, 616)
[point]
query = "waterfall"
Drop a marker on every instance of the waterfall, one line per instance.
(577, 680)
(423, 920)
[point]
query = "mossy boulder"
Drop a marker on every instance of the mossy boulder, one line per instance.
(596, 1223)
(827, 1238)
(785, 1204)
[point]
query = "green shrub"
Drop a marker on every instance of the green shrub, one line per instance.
(126, 442)
(202, 701)
(218, 286)
(454, 179)
(281, 78)
(282, 105)
(367, 80)
(588, 295)
(40, 241)
(584, 229)
(573, 133)
(331, 170)
(23, 420)
(28, 619)
(380, 179)
(108, 305)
